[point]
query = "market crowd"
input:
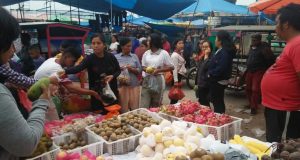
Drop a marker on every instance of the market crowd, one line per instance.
(133, 74)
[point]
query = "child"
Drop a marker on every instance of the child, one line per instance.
(35, 54)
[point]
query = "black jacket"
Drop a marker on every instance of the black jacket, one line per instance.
(202, 71)
(220, 67)
(260, 58)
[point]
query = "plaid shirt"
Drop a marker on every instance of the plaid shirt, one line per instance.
(15, 77)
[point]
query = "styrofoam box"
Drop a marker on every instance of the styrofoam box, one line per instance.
(121, 146)
(95, 145)
(169, 117)
(48, 155)
(224, 132)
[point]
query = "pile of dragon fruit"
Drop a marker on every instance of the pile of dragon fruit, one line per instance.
(193, 112)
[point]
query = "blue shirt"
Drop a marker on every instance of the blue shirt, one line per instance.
(134, 62)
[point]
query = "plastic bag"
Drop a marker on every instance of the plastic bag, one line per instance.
(176, 93)
(52, 114)
(112, 111)
(153, 85)
(124, 78)
(24, 100)
(108, 95)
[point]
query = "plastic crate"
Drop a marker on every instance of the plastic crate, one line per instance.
(169, 117)
(122, 146)
(224, 132)
(95, 145)
(48, 155)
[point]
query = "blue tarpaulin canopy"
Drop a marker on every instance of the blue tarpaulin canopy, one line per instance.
(142, 20)
(10, 2)
(207, 6)
(156, 9)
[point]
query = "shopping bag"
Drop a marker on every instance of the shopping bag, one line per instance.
(153, 85)
(124, 78)
(108, 95)
(24, 100)
(168, 78)
(176, 93)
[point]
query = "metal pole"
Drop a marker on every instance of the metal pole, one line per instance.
(47, 9)
(70, 12)
(111, 17)
(78, 12)
(50, 10)
(193, 15)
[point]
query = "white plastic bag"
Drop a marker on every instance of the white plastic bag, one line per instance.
(108, 95)
(153, 84)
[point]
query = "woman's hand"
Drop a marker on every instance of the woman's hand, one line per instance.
(207, 51)
(96, 95)
(62, 74)
(156, 71)
(108, 78)
(46, 93)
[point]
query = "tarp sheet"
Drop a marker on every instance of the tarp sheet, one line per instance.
(207, 6)
(156, 9)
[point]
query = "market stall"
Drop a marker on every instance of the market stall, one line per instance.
(50, 34)
(184, 131)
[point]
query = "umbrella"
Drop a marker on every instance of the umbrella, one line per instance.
(270, 6)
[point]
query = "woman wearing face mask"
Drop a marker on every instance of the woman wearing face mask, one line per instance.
(98, 64)
(201, 77)
(18, 137)
(129, 87)
(178, 62)
(219, 70)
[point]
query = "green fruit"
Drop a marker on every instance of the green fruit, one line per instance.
(35, 90)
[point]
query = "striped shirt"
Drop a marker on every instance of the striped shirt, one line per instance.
(16, 78)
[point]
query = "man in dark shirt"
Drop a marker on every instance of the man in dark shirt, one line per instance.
(260, 58)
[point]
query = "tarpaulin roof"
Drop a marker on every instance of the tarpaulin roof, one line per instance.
(270, 6)
(142, 20)
(10, 2)
(156, 9)
(207, 6)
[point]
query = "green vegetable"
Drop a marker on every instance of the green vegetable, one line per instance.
(35, 90)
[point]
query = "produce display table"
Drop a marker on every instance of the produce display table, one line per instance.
(142, 134)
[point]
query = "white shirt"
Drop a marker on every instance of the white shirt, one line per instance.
(114, 46)
(158, 59)
(179, 65)
(47, 69)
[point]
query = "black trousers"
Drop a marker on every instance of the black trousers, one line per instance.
(216, 94)
(174, 101)
(275, 123)
(203, 94)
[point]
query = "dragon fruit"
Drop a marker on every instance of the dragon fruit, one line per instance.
(189, 118)
(224, 119)
(205, 111)
(189, 107)
(211, 115)
(154, 109)
(200, 119)
(213, 122)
